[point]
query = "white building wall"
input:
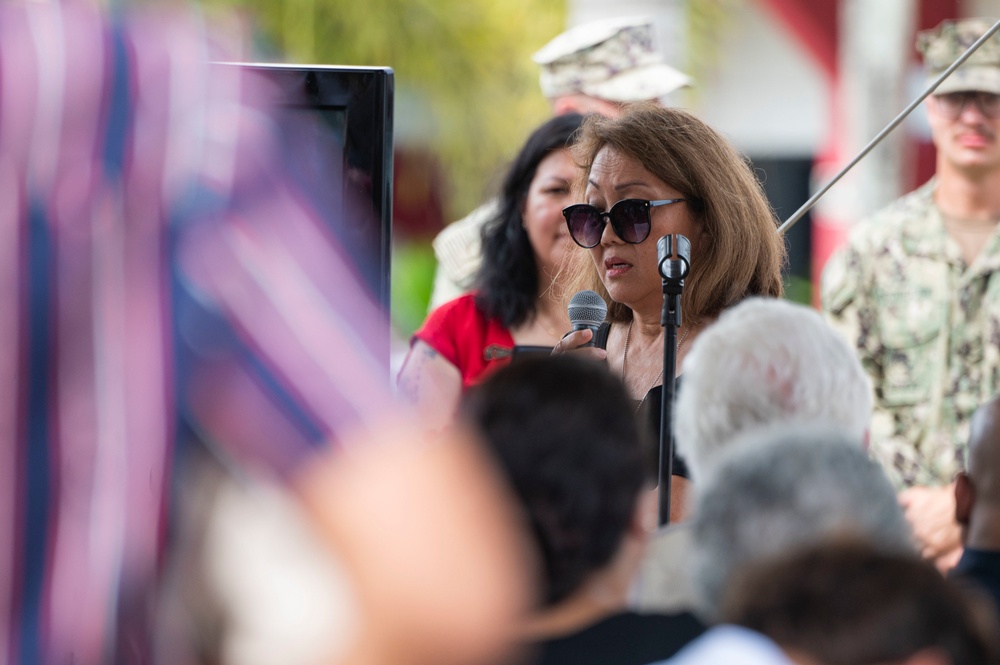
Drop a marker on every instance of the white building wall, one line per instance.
(765, 93)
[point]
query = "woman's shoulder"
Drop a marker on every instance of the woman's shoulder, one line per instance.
(464, 302)
(461, 308)
(460, 323)
(466, 337)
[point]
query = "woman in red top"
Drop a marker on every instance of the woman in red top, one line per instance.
(514, 303)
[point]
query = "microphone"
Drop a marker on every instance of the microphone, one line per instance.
(671, 268)
(587, 311)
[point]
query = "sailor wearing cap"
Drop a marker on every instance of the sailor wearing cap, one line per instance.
(917, 289)
(592, 68)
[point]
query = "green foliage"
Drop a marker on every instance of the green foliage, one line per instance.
(798, 289)
(463, 69)
(707, 23)
(413, 267)
(466, 88)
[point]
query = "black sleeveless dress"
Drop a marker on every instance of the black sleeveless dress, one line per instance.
(649, 417)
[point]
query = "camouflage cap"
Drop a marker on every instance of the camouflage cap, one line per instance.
(608, 59)
(944, 44)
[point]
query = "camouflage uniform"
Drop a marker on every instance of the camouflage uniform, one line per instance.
(943, 45)
(927, 328)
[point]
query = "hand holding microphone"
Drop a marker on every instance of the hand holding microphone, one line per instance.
(587, 311)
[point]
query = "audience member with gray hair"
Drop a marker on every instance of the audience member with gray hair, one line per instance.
(762, 363)
(766, 361)
(782, 489)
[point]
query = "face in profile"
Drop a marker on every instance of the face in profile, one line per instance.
(629, 271)
(548, 194)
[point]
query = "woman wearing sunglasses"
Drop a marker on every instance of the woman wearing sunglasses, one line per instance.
(658, 171)
(514, 305)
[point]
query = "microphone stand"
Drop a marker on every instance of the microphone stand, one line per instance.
(673, 270)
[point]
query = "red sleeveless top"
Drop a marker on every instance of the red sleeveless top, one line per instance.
(461, 333)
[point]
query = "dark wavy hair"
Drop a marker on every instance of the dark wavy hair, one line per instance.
(844, 602)
(573, 458)
(507, 282)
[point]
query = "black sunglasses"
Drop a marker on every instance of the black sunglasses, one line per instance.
(629, 218)
(951, 104)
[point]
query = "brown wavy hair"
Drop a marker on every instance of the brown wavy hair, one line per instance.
(740, 253)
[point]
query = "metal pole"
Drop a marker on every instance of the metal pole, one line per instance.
(807, 206)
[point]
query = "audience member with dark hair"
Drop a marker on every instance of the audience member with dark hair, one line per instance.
(575, 460)
(850, 604)
(514, 303)
(847, 603)
(786, 488)
(977, 502)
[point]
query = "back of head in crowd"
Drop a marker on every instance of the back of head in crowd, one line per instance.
(563, 432)
(847, 603)
(740, 253)
(507, 282)
(764, 362)
(780, 489)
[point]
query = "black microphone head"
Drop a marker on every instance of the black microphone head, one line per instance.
(587, 308)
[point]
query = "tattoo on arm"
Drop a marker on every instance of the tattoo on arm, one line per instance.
(410, 378)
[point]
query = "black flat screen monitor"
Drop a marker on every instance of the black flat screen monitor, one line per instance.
(341, 142)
